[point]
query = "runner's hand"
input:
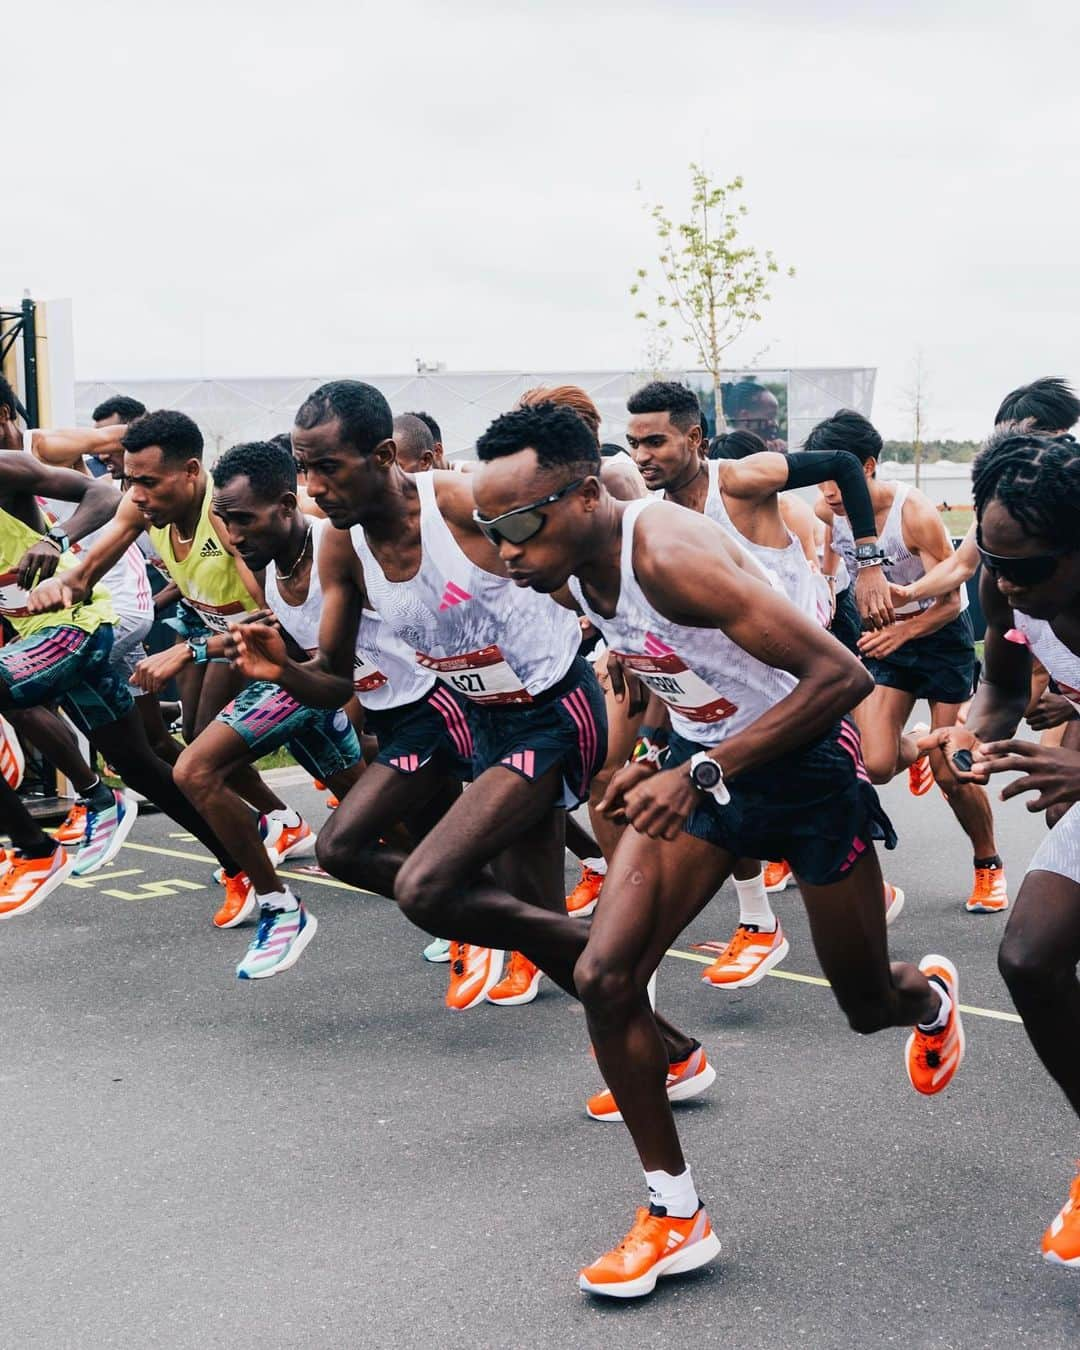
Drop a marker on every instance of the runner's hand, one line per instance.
(55, 594)
(872, 595)
(622, 780)
(901, 595)
(660, 806)
(38, 563)
(625, 685)
(153, 673)
(942, 744)
(883, 642)
(257, 650)
(1052, 710)
(1052, 772)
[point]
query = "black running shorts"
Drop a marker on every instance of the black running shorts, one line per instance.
(434, 727)
(939, 667)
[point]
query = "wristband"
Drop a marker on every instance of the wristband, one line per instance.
(648, 751)
(658, 735)
(199, 653)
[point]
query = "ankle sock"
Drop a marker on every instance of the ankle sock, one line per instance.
(97, 797)
(754, 907)
(992, 861)
(674, 1196)
(597, 865)
(279, 900)
(939, 1022)
(286, 817)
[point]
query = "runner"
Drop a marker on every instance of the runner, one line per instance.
(743, 495)
(63, 658)
(255, 500)
(439, 461)
(415, 443)
(1027, 503)
(929, 653)
(170, 497)
(760, 755)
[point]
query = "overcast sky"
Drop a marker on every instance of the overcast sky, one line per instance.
(245, 188)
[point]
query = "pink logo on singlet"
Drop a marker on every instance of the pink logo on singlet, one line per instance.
(453, 595)
(654, 647)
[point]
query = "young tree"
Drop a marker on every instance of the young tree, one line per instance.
(917, 400)
(713, 286)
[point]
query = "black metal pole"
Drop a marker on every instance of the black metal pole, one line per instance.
(29, 337)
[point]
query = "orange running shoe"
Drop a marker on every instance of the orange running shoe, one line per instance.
(747, 958)
(320, 786)
(473, 971)
(582, 899)
(894, 903)
(239, 903)
(656, 1245)
(520, 984)
(73, 827)
(289, 841)
(920, 774)
(28, 881)
(1061, 1241)
(687, 1078)
(777, 876)
(933, 1057)
(333, 802)
(989, 894)
(12, 760)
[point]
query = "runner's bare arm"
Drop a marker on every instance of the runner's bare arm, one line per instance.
(925, 535)
(66, 448)
(76, 584)
(622, 479)
(798, 516)
(688, 580)
(948, 575)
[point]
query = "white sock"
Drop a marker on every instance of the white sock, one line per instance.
(595, 865)
(938, 1024)
(754, 904)
(287, 817)
(675, 1195)
(278, 900)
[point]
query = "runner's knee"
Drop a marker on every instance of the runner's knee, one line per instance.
(605, 989)
(1033, 969)
(866, 1016)
(194, 778)
(423, 892)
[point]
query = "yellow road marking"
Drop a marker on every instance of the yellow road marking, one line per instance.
(672, 951)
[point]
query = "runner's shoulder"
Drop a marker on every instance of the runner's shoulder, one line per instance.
(454, 496)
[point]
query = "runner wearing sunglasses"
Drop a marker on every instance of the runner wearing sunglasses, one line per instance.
(928, 653)
(1027, 503)
(743, 496)
(760, 755)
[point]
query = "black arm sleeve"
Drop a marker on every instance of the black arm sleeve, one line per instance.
(807, 467)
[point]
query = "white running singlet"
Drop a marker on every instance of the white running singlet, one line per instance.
(788, 564)
(713, 688)
(485, 637)
(902, 567)
(385, 673)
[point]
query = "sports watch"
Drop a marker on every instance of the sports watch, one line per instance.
(197, 648)
(870, 555)
(58, 536)
(707, 776)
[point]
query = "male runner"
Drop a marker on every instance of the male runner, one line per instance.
(170, 497)
(415, 443)
(439, 461)
(928, 653)
(742, 495)
(760, 756)
(1027, 503)
(63, 658)
(255, 500)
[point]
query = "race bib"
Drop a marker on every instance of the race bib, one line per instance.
(484, 676)
(366, 677)
(12, 596)
(670, 679)
(217, 617)
(1067, 691)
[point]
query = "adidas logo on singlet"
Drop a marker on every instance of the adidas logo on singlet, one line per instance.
(210, 549)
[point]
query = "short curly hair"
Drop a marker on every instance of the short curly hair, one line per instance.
(174, 432)
(361, 409)
(127, 409)
(561, 439)
(267, 465)
(678, 400)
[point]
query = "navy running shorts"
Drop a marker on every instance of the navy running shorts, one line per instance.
(815, 808)
(846, 625)
(69, 666)
(939, 667)
(565, 725)
(435, 727)
(266, 717)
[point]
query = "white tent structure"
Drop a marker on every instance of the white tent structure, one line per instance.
(463, 403)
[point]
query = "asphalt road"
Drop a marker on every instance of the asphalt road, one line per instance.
(331, 1159)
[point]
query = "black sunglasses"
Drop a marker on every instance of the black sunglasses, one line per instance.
(1029, 571)
(524, 522)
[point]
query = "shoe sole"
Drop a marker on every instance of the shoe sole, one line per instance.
(494, 975)
(954, 993)
(245, 912)
(789, 880)
(585, 910)
(756, 975)
(442, 960)
(1073, 1263)
(43, 891)
(895, 909)
(699, 1254)
(517, 1000)
(294, 953)
(303, 848)
(684, 1091)
(123, 829)
(986, 909)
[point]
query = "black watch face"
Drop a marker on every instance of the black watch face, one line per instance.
(706, 774)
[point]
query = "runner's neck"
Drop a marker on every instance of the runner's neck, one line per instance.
(183, 529)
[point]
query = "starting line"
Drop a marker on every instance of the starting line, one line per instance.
(309, 879)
